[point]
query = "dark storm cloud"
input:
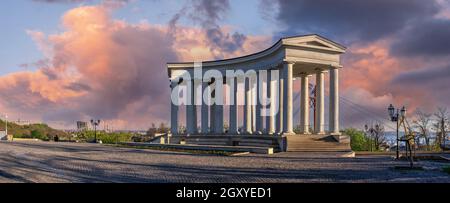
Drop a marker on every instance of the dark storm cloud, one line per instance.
(208, 15)
(423, 76)
(357, 20)
(208, 12)
(428, 38)
(227, 42)
(432, 82)
(78, 87)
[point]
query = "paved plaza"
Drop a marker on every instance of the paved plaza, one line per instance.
(80, 162)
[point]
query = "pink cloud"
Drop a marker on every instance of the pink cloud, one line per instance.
(103, 68)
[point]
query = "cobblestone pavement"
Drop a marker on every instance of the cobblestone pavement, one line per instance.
(76, 162)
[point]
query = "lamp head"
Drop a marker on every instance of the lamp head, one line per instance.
(403, 111)
(391, 110)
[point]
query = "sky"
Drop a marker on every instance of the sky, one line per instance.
(68, 60)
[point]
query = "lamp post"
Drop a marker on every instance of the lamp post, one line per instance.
(95, 124)
(6, 124)
(396, 115)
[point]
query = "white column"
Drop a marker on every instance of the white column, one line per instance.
(320, 103)
(258, 106)
(191, 110)
(173, 111)
(219, 108)
(334, 100)
(204, 108)
(272, 84)
(304, 105)
(289, 108)
(219, 119)
(253, 105)
(233, 130)
(212, 109)
(248, 107)
(281, 102)
(212, 118)
(267, 107)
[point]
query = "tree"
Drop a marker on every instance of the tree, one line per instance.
(422, 123)
(162, 128)
(151, 131)
(441, 126)
(358, 141)
(376, 133)
(37, 134)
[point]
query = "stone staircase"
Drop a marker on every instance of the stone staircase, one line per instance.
(291, 143)
(315, 143)
(229, 140)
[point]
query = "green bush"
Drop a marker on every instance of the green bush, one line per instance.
(358, 142)
(107, 138)
(446, 169)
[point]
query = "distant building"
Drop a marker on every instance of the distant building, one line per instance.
(22, 122)
(2, 135)
(81, 125)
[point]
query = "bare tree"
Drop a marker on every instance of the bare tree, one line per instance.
(162, 128)
(151, 131)
(377, 135)
(423, 124)
(441, 126)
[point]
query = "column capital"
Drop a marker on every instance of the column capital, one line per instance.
(320, 70)
(288, 62)
(332, 66)
(304, 75)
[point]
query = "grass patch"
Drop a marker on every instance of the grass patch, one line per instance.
(171, 149)
(446, 169)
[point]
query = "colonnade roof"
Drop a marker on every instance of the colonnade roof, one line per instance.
(307, 42)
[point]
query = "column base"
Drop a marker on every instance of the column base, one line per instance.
(306, 133)
(271, 133)
(288, 133)
(334, 133)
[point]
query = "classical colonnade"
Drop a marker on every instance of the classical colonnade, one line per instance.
(294, 57)
(254, 122)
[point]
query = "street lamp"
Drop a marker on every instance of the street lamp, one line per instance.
(95, 124)
(6, 124)
(395, 115)
(368, 133)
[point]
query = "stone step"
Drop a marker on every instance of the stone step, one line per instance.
(318, 150)
(258, 150)
(315, 143)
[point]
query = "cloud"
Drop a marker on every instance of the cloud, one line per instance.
(98, 68)
(356, 20)
(427, 38)
(208, 14)
(108, 69)
(360, 106)
(398, 51)
(429, 85)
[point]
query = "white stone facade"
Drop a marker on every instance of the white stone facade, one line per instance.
(290, 58)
